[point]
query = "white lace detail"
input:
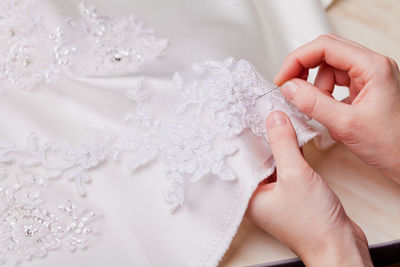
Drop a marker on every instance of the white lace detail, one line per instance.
(30, 227)
(29, 57)
(185, 145)
(108, 46)
(226, 91)
(58, 160)
(32, 54)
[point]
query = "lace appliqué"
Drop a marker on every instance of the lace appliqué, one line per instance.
(108, 46)
(31, 227)
(32, 54)
(227, 91)
(58, 160)
(185, 145)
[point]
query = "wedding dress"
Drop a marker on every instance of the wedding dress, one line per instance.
(131, 146)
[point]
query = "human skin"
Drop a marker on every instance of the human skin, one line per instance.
(368, 121)
(300, 209)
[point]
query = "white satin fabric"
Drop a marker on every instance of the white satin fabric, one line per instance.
(136, 228)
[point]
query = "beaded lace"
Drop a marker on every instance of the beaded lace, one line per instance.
(29, 57)
(30, 226)
(108, 46)
(34, 54)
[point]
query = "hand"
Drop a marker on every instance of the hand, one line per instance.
(301, 210)
(368, 121)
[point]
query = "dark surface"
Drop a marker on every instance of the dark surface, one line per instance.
(382, 254)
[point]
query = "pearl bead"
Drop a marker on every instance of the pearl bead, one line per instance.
(27, 61)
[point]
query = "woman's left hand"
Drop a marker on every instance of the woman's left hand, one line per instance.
(301, 210)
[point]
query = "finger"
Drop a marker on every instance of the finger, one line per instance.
(311, 101)
(328, 77)
(339, 38)
(283, 141)
(336, 53)
(325, 79)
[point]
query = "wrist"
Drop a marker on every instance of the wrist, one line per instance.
(345, 248)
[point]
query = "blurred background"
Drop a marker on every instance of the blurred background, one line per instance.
(373, 23)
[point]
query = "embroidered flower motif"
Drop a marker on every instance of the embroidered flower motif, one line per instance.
(58, 160)
(140, 143)
(184, 144)
(229, 126)
(81, 160)
(29, 57)
(186, 147)
(111, 46)
(29, 230)
(227, 90)
(88, 156)
(256, 123)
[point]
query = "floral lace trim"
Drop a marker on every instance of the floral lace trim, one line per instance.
(32, 54)
(225, 91)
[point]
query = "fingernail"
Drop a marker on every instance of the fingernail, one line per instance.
(289, 89)
(277, 119)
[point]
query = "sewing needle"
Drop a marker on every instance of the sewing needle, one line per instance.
(269, 91)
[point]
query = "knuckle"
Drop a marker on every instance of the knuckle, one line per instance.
(292, 55)
(394, 63)
(330, 35)
(385, 64)
(324, 38)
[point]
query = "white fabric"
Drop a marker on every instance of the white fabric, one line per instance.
(127, 222)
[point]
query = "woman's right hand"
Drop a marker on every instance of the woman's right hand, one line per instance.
(368, 121)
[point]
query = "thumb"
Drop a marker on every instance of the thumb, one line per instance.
(314, 103)
(283, 141)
